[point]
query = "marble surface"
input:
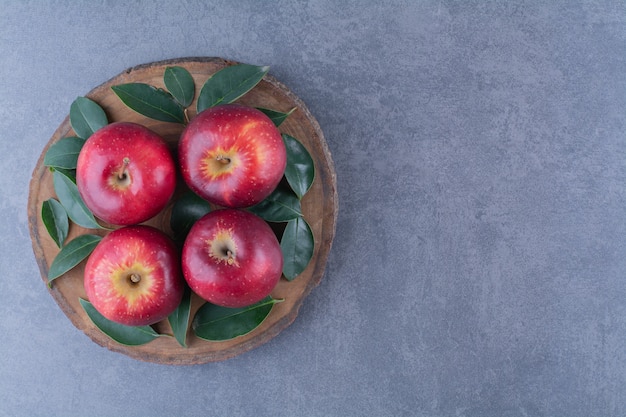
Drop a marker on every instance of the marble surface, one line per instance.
(479, 264)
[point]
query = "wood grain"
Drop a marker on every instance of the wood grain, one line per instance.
(320, 207)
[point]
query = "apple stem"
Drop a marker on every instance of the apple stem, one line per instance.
(222, 159)
(135, 278)
(231, 259)
(121, 175)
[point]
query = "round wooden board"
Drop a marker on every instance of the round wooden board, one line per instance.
(319, 207)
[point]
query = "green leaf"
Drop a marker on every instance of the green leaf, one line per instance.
(126, 335)
(69, 173)
(64, 153)
(228, 84)
(217, 323)
(69, 197)
(86, 116)
(300, 170)
(297, 245)
(280, 206)
(179, 319)
(186, 211)
(151, 102)
(180, 84)
(72, 254)
(277, 117)
(55, 219)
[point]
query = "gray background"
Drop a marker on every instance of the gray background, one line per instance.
(479, 262)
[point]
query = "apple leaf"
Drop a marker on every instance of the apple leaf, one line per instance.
(150, 101)
(228, 84)
(300, 170)
(217, 323)
(186, 211)
(297, 244)
(277, 117)
(126, 335)
(69, 173)
(179, 319)
(280, 206)
(180, 84)
(86, 116)
(55, 219)
(69, 197)
(72, 254)
(64, 153)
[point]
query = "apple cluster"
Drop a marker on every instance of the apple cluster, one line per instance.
(231, 155)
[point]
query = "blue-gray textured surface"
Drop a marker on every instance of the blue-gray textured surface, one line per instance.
(479, 264)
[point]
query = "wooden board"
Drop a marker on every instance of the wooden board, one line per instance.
(319, 207)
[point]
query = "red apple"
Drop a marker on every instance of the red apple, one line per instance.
(232, 155)
(232, 258)
(125, 173)
(133, 276)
